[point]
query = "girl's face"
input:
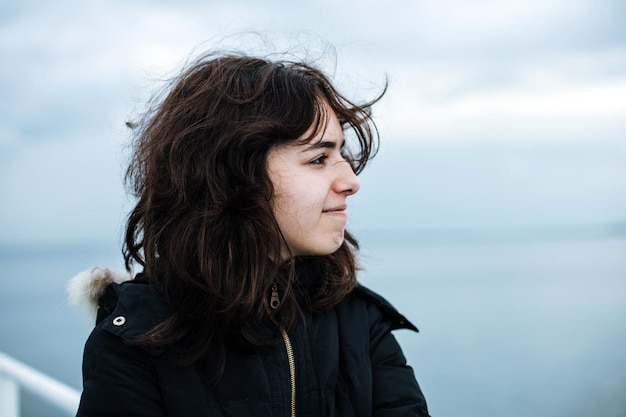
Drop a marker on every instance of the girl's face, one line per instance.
(311, 184)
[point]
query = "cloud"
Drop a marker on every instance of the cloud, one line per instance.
(539, 109)
(443, 186)
(62, 191)
(460, 73)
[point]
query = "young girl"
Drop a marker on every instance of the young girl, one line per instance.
(248, 303)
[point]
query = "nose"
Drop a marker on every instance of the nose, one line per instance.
(346, 181)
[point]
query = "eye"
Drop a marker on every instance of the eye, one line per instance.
(319, 160)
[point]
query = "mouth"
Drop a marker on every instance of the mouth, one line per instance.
(336, 210)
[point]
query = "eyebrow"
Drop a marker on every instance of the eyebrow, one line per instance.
(324, 144)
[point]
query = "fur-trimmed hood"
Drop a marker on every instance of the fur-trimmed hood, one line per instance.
(86, 287)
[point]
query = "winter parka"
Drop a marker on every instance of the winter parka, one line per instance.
(343, 362)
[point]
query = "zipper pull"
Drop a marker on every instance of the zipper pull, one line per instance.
(274, 300)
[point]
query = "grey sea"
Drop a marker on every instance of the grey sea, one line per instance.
(508, 327)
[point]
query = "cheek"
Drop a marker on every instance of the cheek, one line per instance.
(297, 209)
(296, 194)
(283, 205)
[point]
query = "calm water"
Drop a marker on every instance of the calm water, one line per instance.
(506, 329)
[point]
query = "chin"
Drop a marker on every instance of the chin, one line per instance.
(332, 247)
(319, 247)
(321, 250)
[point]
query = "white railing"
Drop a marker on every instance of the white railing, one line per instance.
(14, 374)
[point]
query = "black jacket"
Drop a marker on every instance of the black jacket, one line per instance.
(347, 363)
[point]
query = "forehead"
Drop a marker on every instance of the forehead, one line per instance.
(326, 128)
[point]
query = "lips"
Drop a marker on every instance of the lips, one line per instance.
(338, 209)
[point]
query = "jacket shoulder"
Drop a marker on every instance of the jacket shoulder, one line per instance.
(389, 312)
(122, 305)
(130, 309)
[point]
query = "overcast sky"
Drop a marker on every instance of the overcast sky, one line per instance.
(499, 113)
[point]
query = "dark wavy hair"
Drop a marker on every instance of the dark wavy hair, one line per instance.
(203, 227)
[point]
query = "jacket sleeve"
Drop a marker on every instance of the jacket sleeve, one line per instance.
(118, 379)
(395, 390)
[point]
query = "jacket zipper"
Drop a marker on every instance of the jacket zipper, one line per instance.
(275, 303)
(292, 370)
